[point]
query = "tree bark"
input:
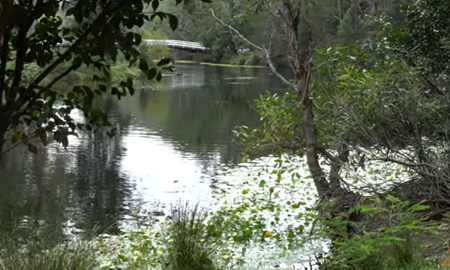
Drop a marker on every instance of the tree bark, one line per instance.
(3, 127)
(312, 158)
(300, 61)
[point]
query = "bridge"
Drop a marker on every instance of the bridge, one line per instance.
(176, 44)
(172, 43)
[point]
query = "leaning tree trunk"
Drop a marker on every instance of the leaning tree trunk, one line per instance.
(300, 62)
(312, 159)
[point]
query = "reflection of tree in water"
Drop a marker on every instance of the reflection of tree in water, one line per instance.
(80, 186)
(200, 120)
(203, 120)
(32, 196)
(102, 194)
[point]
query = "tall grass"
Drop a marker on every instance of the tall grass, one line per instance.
(191, 246)
(61, 258)
(34, 252)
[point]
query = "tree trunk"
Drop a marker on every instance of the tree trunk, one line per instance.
(3, 127)
(300, 61)
(335, 178)
(339, 9)
(312, 158)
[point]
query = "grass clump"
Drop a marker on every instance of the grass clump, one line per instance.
(184, 241)
(41, 253)
(190, 245)
(62, 258)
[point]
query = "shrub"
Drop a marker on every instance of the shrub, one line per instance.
(381, 238)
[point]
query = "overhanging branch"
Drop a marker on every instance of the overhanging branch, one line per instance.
(262, 49)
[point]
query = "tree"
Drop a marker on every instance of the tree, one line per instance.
(40, 36)
(294, 15)
(378, 101)
(424, 39)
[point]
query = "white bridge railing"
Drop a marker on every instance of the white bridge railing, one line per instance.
(176, 44)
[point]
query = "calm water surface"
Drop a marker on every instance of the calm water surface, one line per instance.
(173, 138)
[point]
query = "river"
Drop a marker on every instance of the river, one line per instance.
(173, 138)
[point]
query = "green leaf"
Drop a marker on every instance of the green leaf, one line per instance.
(417, 207)
(131, 90)
(76, 63)
(262, 183)
(16, 137)
(155, 4)
(89, 92)
(143, 65)
(158, 76)
(35, 113)
(106, 72)
(137, 38)
(70, 96)
(164, 61)
(151, 74)
(173, 21)
(102, 88)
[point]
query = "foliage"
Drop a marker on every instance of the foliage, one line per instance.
(247, 59)
(383, 238)
(67, 257)
(185, 241)
(351, 27)
(281, 125)
(424, 38)
(152, 53)
(369, 101)
(268, 212)
(191, 245)
(97, 33)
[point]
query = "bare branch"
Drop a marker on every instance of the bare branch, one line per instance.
(402, 162)
(329, 156)
(262, 49)
(10, 148)
(268, 9)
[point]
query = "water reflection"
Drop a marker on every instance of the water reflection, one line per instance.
(179, 130)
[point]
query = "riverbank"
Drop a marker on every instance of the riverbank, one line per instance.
(185, 242)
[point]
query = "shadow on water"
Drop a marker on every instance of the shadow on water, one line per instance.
(180, 129)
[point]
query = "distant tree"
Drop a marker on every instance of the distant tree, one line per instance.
(425, 38)
(96, 32)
